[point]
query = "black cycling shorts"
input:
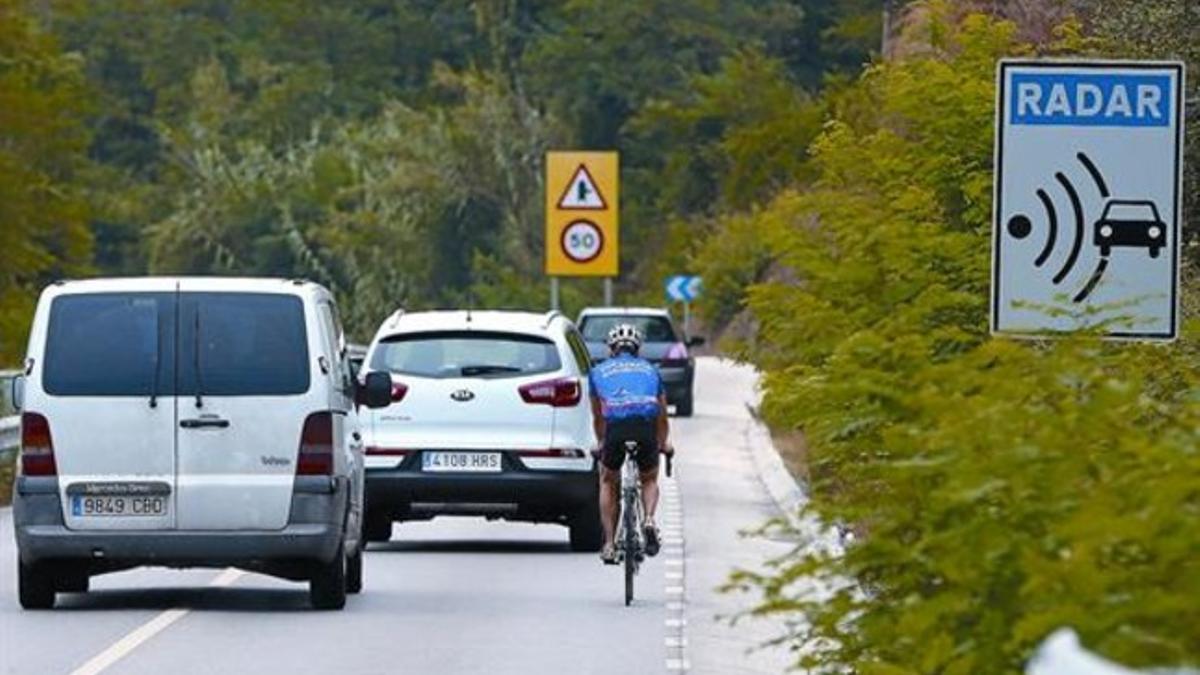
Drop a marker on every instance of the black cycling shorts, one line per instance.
(642, 430)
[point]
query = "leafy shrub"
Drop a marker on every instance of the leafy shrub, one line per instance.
(1002, 489)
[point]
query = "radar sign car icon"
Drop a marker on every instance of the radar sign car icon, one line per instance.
(1130, 224)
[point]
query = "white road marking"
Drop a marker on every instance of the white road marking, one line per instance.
(674, 562)
(121, 648)
(677, 664)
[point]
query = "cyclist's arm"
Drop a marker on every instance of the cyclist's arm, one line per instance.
(598, 420)
(663, 427)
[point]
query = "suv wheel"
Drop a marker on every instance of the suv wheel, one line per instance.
(587, 536)
(377, 527)
(327, 587)
(354, 571)
(35, 587)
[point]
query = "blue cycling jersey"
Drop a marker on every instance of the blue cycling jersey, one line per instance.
(628, 387)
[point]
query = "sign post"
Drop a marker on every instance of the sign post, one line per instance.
(1087, 211)
(685, 289)
(582, 206)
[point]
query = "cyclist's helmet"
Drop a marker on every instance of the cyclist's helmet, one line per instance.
(624, 337)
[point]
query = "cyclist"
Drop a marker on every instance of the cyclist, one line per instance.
(628, 404)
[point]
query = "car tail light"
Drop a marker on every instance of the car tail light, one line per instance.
(376, 451)
(677, 355)
(399, 389)
(316, 446)
(37, 448)
(561, 393)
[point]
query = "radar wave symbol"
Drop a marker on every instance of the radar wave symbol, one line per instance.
(1020, 226)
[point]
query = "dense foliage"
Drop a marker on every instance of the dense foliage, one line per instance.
(391, 149)
(998, 489)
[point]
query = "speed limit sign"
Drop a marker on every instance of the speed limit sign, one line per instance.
(582, 208)
(582, 241)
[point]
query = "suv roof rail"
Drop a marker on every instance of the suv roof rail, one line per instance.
(551, 316)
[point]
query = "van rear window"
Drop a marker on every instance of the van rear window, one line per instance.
(130, 344)
(108, 344)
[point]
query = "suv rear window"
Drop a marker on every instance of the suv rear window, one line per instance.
(654, 328)
(445, 354)
(110, 344)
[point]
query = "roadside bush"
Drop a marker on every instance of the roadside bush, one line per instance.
(1000, 489)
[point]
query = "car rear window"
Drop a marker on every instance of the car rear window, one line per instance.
(654, 328)
(444, 354)
(111, 344)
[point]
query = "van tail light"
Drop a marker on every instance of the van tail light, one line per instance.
(316, 446)
(37, 448)
(398, 391)
(561, 393)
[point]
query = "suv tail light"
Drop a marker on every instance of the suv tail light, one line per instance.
(398, 391)
(561, 393)
(37, 448)
(316, 446)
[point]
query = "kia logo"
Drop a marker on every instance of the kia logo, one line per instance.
(462, 395)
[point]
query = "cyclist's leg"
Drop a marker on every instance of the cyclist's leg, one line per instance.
(612, 455)
(610, 485)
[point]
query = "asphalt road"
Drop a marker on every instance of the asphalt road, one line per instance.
(452, 595)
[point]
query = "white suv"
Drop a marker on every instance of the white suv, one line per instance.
(490, 417)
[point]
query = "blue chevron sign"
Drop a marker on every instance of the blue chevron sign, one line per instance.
(681, 288)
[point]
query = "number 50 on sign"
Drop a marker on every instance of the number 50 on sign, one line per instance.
(581, 214)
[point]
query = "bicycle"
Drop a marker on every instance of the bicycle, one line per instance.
(630, 540)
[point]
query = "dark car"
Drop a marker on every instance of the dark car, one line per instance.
(1132, 224)
(664, 345)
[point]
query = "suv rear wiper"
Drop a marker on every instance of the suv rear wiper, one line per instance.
(196, 361)
(468, 371)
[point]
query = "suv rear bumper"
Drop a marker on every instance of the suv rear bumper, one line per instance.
(677, 381)
(407, 493)
(313, 533)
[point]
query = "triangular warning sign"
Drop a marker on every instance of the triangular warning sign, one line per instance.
(582, 193)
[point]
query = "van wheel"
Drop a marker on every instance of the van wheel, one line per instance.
(377, 527)
(586, 534)
(354, 572)
(35, 587)
(327, 587)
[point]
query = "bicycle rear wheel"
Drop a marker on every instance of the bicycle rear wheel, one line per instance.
(631, 545)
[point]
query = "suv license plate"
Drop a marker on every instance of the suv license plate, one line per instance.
(461, 462)
(118, 506)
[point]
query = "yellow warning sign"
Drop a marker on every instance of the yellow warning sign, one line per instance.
(582, 214)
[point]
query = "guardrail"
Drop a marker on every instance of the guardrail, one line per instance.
(10, 434)
(10, 427)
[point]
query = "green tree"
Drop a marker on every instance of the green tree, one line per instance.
(43, 141)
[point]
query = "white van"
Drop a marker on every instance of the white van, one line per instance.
(189, 422)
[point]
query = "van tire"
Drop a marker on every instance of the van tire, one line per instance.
(327, 587)
(377, 527)
(587, 536)
(354, 571)
(35, 587)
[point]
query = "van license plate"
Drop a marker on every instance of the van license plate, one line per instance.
(464, 462)
(118, 506)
